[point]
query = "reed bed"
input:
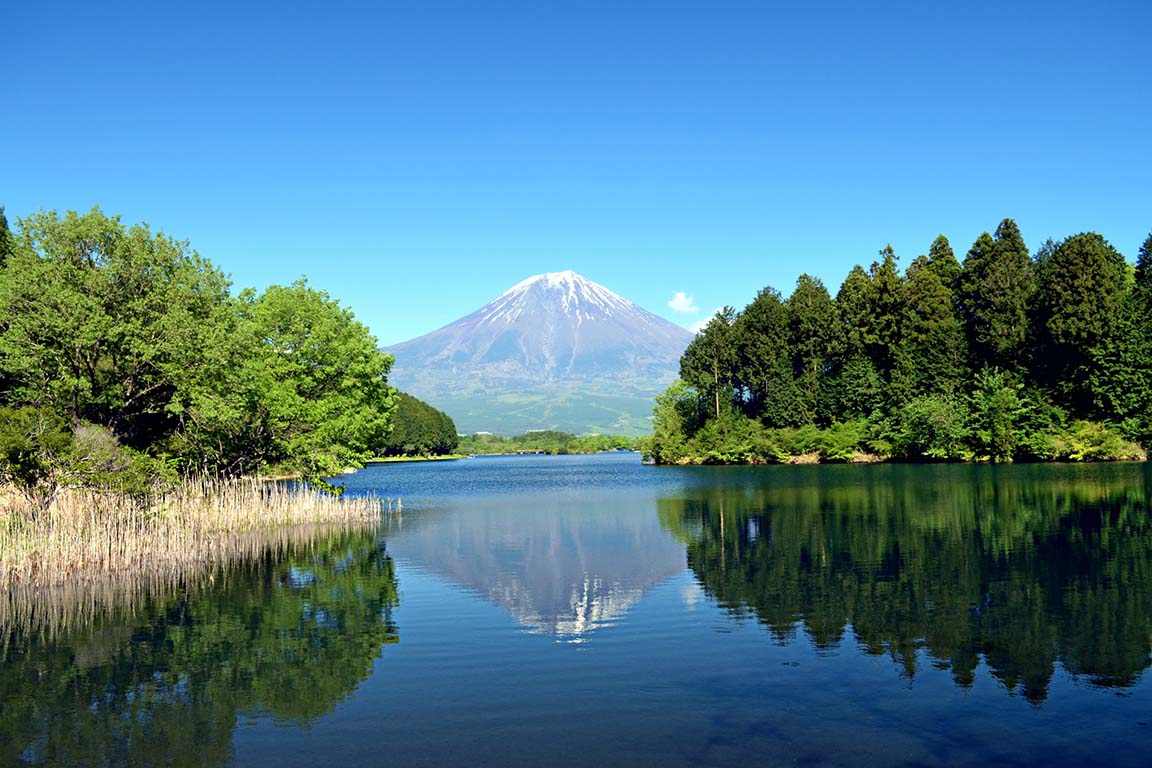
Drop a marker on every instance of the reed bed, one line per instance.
(90, 554)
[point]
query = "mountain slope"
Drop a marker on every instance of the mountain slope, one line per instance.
(556, 351)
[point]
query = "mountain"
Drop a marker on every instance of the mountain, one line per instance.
(556, 351)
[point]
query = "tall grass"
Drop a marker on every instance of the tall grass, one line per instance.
(91, 553)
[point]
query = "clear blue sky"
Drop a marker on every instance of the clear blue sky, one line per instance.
(417, 158)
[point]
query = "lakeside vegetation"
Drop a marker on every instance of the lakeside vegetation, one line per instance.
(129, 373)
(547, 442)
(125, 362)
(419, 430)
(1008, 356)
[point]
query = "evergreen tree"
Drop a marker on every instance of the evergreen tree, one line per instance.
(763, 367)
(811, 325)
(852, 309)
(996, 287)
(884, 297)
(708, 364)
(7, 243)
(942, 260)
(1144, 265)
(931, 351)
(1080, 296)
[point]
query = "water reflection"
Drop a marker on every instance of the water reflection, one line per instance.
(559, 565)
(1023, 568)
(284, 638)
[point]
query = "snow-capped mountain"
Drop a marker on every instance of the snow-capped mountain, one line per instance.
(556, 338)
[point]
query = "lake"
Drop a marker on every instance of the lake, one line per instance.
(592, 611)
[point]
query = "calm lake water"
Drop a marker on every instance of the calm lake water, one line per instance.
(592, 611)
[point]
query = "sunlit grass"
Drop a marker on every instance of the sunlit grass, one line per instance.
(90, 552)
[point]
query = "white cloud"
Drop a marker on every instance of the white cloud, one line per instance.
(698, 326)
(682, 302)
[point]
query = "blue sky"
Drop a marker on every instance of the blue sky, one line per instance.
(415, 159)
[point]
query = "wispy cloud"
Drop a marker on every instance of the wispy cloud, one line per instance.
(682, 302)
(698, 326)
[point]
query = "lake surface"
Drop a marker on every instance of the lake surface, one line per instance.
(592, 611)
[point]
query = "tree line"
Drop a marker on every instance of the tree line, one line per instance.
(124, 358)
(1008, 355)
(546, 441)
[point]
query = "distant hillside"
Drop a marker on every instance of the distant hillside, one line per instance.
(556, 351)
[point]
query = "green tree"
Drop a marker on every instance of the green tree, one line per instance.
(811, 328)
(852, 309)
(105, 322)
(931, 353)
(996, 410)
(884, 311)
(942, 261)
(7, 242)
(418, 429)
(315, 387)
(1081, 293)
(763, 367)
(996, 289)
(708, 364)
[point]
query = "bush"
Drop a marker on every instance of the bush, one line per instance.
(932, 427)
(1092, 441)
(34, 443)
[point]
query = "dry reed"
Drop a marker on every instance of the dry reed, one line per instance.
(90, 554)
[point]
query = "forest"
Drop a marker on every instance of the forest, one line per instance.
(126, 360)
(1007, 355)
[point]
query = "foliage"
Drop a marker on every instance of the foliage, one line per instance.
(932, 427)
(418, 429)
(988, 360)
(133, 342)
(33, 445)
(547, 442)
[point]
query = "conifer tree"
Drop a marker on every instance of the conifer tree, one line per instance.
(996, 288)
(884, 299)
(811, 321)
(764, 368)
(931, 352)
(1080, 297)
(942, 260)
(708, 364)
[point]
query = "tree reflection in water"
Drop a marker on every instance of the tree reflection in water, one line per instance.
(287, 638)
(1022, 567)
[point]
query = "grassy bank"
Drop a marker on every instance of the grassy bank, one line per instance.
(402, 459)
(85, 536)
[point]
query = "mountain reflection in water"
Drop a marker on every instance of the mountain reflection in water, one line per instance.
(559, 565)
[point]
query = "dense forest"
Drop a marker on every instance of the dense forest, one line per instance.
(418, 429)
(545, 441)
(125, 358)
(1009, 355)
